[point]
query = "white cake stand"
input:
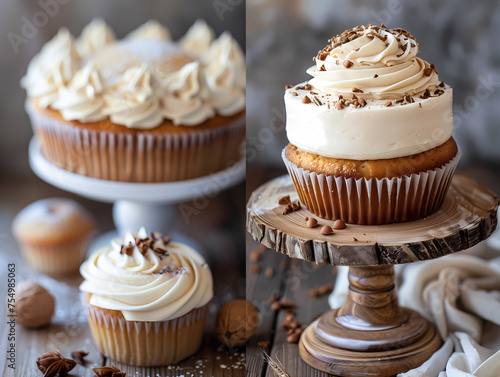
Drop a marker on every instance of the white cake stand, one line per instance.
(152, 205)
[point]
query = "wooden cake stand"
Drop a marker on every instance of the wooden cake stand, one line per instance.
(371, 335)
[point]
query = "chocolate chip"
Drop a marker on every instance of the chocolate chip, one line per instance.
(428, 71)
(269, 272)
(306, 99)
(313, 293)
(312, 222)
(325, 289)
(286, 303)
(276, 306)
(348, 64)
(254, 256)
(295, 94)
(326, 230)
(255, 269)
(307, 87)
(375, 76)
(339, 224)
(322, 68)
(288, 87)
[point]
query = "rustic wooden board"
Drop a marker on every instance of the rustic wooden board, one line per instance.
(467, 216)
(218, 228)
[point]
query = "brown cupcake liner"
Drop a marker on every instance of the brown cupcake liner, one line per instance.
(54, 260)
(146, 343)
(137, 157)
(372, 201)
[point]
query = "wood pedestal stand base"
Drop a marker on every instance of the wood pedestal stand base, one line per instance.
(371, 335)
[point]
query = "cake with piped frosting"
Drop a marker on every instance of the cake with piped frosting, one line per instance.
(370, 135)
(141, 109)
(147, 299)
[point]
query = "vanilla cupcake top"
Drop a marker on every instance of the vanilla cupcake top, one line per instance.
(141, 80)
(371, 97)
(147, 278)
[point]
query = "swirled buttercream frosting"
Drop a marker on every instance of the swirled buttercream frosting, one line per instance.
(147, 277)
(141, 80)
(371, 97)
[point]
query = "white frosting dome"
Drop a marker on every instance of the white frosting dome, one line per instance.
(147, 278)
(371, 97)
(141, 80)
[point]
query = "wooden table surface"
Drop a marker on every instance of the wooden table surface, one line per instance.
(292, 279)
(219, 229)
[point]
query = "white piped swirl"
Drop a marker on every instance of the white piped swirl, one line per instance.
(384, 67)
(94, 37)
(147, 286)
(224, 68)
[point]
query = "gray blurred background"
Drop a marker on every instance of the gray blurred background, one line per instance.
(122, 15)
(462, 38)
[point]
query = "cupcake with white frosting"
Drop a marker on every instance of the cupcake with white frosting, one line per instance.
(144, 108)
(147, 299)
(370, 133)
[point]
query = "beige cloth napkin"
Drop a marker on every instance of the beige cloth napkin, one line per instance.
(459, 294)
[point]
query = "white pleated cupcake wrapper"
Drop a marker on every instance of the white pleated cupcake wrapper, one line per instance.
(147, 343)
(136, 327)
(140, 157)
(55, 259)
(373, 201)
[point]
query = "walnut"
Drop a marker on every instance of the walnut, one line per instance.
(236, 323)
(34, 305)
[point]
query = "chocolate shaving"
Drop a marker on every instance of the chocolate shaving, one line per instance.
(434, 68)
(316, 101)
(356, 90)
(295, 94)
(322, 68)
(409, 98)
(388, 104)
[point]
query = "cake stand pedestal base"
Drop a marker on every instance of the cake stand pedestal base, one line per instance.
(153, 205)
(371, 335)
